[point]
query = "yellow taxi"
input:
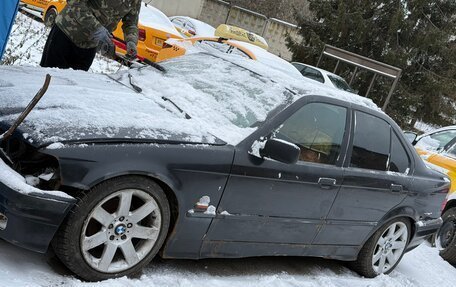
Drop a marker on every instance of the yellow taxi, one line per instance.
(234, 41)
(154, 29)
(230, 38)
(438, 150)
(47, 10)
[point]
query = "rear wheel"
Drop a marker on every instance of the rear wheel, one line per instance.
(383, 251)
(49, 17)
(115, 230)
(446, 236)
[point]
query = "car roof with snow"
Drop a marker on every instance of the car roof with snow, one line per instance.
(225, 95)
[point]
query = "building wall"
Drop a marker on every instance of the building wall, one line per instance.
(191, 8)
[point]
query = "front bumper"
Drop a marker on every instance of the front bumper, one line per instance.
(30, 220)
(423, 230)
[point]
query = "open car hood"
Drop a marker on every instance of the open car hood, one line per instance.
(81, 106)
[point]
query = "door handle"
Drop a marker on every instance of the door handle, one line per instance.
(396, 188)
(326, 183)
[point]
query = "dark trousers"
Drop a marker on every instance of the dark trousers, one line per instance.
(61, 52)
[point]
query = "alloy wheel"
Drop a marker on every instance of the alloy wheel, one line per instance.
(390, 247)
(120, 231)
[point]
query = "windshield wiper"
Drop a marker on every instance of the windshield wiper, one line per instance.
(139, 90)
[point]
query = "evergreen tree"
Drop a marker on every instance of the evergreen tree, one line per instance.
(417, 36)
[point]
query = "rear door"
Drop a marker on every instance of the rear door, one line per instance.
(266, 201)
(376, 180)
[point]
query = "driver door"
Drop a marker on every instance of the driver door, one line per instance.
(274, 203)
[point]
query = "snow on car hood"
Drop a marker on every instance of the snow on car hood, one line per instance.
(80, 106)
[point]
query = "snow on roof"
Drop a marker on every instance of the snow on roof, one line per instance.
(152, 17)
(202, 29)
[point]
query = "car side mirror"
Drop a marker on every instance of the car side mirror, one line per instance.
(281, 150)
(411, 137)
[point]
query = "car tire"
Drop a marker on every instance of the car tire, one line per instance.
(115, 229)
(382, 252)
(49, 17)
(446, 236)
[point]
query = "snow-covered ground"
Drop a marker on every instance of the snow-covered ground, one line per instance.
(421, 267)
(18, 267)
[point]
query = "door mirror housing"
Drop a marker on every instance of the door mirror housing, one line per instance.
(281, 150)
(411, 137)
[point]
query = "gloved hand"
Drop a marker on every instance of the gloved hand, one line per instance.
(132, 51)
(105, 45)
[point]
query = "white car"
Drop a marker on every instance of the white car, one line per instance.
(324, 77)
(190, 27)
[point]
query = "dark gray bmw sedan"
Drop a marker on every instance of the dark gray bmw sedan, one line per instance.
(214, 158)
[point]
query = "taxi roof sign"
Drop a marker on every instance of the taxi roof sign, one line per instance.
(239, 34)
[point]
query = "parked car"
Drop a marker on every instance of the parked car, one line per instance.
(154, 29)
(232, 41)
(324, 77)
(47, 10)
(438, 149)
(214, 159)
(190, 27)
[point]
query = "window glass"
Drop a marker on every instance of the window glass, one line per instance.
(312, 74)
(399, 161)
(436, 141)
(340, 83)
(452, 151)
(298, 66)
(371, 143)
(318, 130)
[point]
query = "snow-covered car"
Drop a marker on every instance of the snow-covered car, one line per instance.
(190, 27)
(47, 10)
(438, 150)
(154, 29)
(322, 76)
(232, 41)
(217, 157)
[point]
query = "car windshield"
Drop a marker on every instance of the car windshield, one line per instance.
(340, 83)
(436, 141)
(214, 87)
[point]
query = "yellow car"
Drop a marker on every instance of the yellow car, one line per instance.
(234, 41)
(154, 29)
(438, 150)
(47, 10)
(229, 38)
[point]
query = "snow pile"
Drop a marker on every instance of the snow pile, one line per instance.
(15, 181)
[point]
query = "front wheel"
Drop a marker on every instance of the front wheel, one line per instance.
(383, 251)
(115, 230)
(446, 236)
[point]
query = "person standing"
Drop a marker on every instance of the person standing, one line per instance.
(84, 27)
